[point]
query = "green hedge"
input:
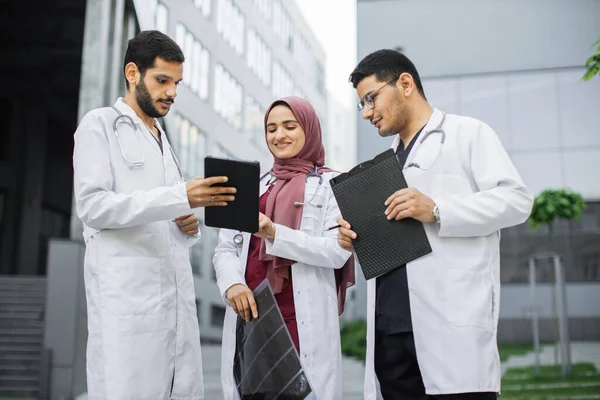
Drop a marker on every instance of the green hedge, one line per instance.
(354, 339)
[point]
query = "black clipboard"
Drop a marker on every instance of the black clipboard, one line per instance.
(266, 364)
(381, 245)
(242, 213)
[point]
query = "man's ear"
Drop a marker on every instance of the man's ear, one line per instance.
(132, 73)
(406, 84)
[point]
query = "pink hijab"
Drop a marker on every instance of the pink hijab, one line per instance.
(289, 188)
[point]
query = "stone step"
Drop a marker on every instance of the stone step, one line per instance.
(21, 340)
(22, 280)
(22, 294)
(19, 360)
(20, 350)
(22, 301)
(8, 322)
(19, 392)
(19, 380)
(17, 369)
(22, 331)
(27, 307)
(24, 314)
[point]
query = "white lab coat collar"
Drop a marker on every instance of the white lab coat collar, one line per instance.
(127, 110)
(263, 182)
(433, 122)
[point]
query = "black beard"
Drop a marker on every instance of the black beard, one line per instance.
(144, 100)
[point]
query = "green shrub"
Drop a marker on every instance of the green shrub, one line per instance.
(354, 339)
(551, 205)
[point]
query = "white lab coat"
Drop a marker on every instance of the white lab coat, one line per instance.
(315, 294)
(455, 291)
(143, 338)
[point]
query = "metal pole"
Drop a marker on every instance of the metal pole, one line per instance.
(117, 42)
(563, 323)
(534, 316)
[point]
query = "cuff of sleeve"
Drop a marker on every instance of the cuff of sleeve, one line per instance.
(273, 246)
(445, 224)
(224, 287)
(182, 198)
(192, 240)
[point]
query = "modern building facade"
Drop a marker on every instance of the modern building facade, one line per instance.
(65, 58)
(240, 57)
(516, 65)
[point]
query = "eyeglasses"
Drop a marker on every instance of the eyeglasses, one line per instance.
(369, 99)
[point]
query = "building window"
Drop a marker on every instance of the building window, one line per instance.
(304, 57)
(282, 81)
(161, 21)
(320, 79)
(253, 121)
(217, 315)
(196, 68)
(282, 25)
(230, 24)
(265, 8)
(191, 146)
(204, 6)
(228, 97)
(259, 57)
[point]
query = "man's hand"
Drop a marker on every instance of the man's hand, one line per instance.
(409, 203)
(345, 235)
(242, 301)
(201, 193)
(188, 224)
(266, 227)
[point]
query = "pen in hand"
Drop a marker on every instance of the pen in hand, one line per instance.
(334, 227)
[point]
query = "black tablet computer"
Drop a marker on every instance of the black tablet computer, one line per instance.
(242, 213)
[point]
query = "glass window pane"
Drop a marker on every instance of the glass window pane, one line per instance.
(196, 56)
(204, 71)
(184, 143)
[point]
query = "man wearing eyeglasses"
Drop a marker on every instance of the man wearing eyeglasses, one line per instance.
(432, 323)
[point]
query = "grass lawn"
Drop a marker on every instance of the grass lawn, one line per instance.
(509, 349)
(522, 383)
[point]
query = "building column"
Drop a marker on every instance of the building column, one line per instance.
(33, 186)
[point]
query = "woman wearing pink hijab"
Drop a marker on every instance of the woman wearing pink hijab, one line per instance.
(306, 268)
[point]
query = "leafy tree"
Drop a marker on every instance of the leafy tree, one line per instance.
(551, 205)
(592, 65)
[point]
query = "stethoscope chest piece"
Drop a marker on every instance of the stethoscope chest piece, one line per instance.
(238, 239)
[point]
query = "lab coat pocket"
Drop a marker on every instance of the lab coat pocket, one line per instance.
(131, 286)
(468, 298)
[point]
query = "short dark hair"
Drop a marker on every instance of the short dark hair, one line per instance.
(386, 65)
(143, 50)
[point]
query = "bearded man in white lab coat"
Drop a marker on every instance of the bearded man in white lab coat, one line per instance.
(136, 209)
(431, 324)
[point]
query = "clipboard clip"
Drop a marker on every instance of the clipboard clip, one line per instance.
(367, 164)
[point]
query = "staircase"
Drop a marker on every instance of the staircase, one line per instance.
(23, 361)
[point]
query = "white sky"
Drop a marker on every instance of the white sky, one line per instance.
(334, 24)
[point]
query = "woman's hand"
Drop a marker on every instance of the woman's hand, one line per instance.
(266, 227)
(242, 301)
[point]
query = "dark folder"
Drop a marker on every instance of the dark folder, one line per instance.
(242, 213)
(381, 245)
(266, 364)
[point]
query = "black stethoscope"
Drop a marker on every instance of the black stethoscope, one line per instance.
(238, 238)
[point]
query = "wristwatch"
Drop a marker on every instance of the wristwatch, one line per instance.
(436, 214)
